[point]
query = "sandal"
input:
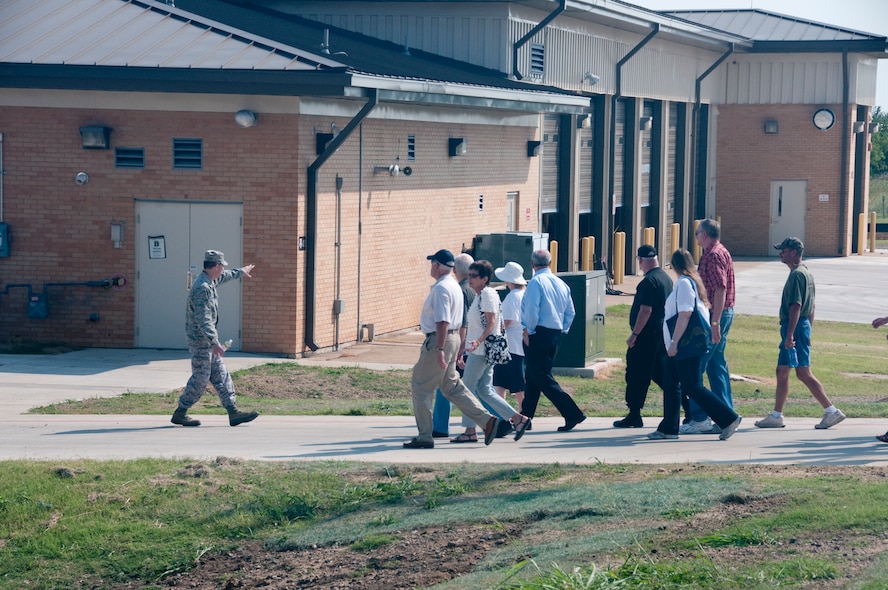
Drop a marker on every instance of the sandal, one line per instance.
(521, 427)
(465, 438)
(883, 437)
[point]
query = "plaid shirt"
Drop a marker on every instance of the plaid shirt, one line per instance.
(716, 268)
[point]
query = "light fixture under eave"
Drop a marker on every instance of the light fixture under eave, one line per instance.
(859, 126)
(591, 78)
(534, 148)
(771, 127)
(394, 169)
(456, 146)
(645, 123)
(246, 118)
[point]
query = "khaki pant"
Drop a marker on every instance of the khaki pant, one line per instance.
(429, 376)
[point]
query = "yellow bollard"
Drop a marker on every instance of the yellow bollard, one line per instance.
(861, 233)
(697, 251)
(619, 269)
(553, 252)
(649, 236)
(674, 241)
(872, 232)
(588, 253)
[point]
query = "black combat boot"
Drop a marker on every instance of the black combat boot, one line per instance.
(236, 416)
(181, 417)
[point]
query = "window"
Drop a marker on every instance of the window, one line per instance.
(411, 148)
(537, 59)
(125, 157)
(188, 153)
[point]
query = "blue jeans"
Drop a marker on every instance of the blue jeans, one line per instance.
(441, 414)
(717, 370)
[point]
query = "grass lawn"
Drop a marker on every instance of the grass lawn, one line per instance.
(225, 523)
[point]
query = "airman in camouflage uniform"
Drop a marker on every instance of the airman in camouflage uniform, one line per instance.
(207, 366)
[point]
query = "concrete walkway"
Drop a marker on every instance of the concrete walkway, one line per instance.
(848, 289)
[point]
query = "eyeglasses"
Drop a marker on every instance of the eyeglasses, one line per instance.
(473, 275)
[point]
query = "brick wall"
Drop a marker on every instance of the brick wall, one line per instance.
(748, 160)
(61, 231)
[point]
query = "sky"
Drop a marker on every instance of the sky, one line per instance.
(867, 16)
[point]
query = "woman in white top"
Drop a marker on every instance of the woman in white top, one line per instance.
(483, 321)
(510, 377)
(687, 297)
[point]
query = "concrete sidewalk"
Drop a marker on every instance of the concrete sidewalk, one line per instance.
(848, 289)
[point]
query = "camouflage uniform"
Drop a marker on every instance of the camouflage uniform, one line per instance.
(202, 315)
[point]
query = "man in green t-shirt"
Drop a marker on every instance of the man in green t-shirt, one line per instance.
(796, 318)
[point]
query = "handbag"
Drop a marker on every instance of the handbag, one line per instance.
(695, 340)
(496, 347)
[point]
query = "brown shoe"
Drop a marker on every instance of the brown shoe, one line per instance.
(236, 416)
(181, 417)
(490, 430)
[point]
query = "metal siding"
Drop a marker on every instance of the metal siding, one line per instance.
(619, 151)
(786, 81)
(586, 167)
(647, 149)
(549, 173)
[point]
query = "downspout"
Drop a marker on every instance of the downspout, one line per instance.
(845, 129)
(618, 92)
(311, 214)
(695, 129)
(562, 4)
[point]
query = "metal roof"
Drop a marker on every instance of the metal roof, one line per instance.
(760, 25)
(142, 45)
(131, 33)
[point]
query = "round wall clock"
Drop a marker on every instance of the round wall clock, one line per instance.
(824, 119)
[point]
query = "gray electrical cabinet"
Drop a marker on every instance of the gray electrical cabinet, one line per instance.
(498, 249)
(585, 340)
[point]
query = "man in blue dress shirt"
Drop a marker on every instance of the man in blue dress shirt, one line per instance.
(546, 313)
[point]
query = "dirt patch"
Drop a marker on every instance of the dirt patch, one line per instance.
(413, 559)
(423, 557)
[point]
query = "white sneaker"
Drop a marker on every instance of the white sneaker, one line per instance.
(771, 421)
(830, 419)
(701, 427)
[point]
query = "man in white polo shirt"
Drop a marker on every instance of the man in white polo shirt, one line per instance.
(440, 321)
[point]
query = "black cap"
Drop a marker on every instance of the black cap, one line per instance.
(792, 243)
(444, 257)
(647, 251)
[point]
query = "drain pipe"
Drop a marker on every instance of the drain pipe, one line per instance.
(846, 129)
(311, 215)
(695, 129)
(618, 92)
(562, 4)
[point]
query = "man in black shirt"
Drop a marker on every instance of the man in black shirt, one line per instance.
(644, 357)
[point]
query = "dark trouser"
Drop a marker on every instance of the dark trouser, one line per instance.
(644, 363)
(539, 355)
(686, 375)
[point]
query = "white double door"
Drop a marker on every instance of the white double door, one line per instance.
(171, 239)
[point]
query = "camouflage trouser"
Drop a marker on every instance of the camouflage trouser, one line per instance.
(207, 368)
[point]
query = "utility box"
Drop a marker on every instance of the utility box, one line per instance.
(4, 240)
(37, 309)
(498, 249)
(585, 340)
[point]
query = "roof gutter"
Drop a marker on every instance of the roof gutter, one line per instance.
(613, 121)
(562, 4)
(846, 163)
(311, 215)
(695, 121)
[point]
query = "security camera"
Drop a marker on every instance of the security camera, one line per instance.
(394, 169)
(81, 178)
